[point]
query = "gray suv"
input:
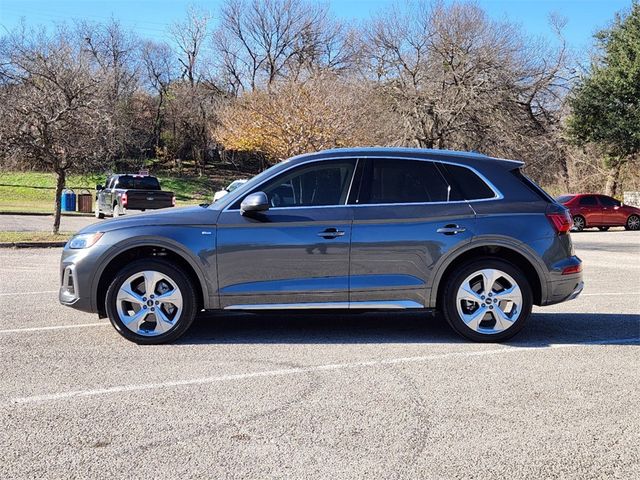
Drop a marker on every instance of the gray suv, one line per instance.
(356, 229)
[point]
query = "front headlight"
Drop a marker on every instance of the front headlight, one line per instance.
(84, 240)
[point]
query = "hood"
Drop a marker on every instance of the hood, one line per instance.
(167, 216)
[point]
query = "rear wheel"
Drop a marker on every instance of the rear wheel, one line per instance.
(633, 222)
(151, 302)
(487, 300)
(603, 229)
(579, 223)
(117, 211)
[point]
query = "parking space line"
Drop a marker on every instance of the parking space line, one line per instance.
(302, 370)
(54, 327)
(27, 293)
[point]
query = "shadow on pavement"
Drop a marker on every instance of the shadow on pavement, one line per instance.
(542, 330)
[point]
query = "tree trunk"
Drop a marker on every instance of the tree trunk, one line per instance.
(60, 181)
(613, 178)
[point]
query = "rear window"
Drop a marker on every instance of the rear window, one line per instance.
(564, 198)
(128, 182)
(465, 184)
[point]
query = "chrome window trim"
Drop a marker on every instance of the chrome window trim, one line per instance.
(497, 193)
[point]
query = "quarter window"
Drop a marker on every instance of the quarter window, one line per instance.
(465, 184)
(402, 181)
(609, 202)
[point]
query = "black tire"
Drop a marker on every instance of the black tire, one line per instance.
(454, 281)
(189, 301)
(579, 223)
(603, 229)
(633, 223)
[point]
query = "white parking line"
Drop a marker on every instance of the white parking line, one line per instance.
(297, 371)
(54, 327)
(27, 293)
(601, 294)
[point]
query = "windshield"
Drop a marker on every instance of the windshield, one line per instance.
(130, 182)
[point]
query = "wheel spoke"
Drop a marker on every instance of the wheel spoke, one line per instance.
(151, 279)
(174, 297)
(128, 295)
(511, 294)
(489, 277)
(163, 324)
(467, 293)
(473, 319)
(133, 322)
(502, 320)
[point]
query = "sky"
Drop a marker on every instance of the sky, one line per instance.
(150, 18)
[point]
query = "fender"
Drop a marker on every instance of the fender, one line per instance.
(488, 241)
(152, 241)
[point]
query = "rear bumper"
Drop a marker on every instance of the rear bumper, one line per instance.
(565, 290)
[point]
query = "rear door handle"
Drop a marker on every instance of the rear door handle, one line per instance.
(451, 230)
(331, 233)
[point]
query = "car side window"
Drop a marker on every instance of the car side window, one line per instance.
(589, 201)
(110, 182)
(465, 183)
(609, 202)
(321, 183)
(402, 181)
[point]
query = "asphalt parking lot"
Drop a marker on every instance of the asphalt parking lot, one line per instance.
(362, 396)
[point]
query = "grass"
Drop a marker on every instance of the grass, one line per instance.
(12, 237)
(35, 191)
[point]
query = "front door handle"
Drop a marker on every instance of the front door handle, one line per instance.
(451, 229)
(331, 233)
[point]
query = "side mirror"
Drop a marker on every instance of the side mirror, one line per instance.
(99, 187)
(256, 202)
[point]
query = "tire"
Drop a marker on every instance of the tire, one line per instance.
(487, 326)
(146, 328)
(603, 229)
(633, 223)
(579, 223)
(116, 210)
(97, 212)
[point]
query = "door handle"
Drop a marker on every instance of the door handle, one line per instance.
(331, 233)
(451, 230)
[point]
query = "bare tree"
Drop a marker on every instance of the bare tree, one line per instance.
(190, 37)
(260, 41)
(52, 105)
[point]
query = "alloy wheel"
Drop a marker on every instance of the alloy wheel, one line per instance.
(633, 223)
(149, 303)
(578, 223)
(489, 301)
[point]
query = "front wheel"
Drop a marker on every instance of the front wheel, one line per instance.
(97, 212)
(151, 302)
(633, 223)
(487, 300)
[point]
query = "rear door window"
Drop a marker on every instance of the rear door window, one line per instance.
(589, 201)
(387, 181)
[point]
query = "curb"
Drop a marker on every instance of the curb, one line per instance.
(32, 244)
(40, 214)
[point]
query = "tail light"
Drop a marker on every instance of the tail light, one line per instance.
(572, 269)
(173, 201)
(124, 199)
(561, 221)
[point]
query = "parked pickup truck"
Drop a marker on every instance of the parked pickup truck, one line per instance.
(124, 192)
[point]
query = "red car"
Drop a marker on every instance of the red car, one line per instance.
(593, 210)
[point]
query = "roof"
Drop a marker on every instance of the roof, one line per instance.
(408, 153)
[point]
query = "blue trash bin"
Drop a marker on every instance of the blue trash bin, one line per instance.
(68, 200)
